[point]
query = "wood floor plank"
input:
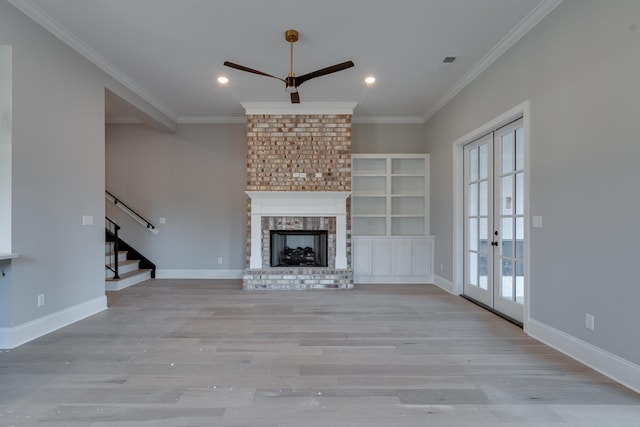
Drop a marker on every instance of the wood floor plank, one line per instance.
(206, 353)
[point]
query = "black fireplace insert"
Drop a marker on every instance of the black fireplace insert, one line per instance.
(298, 248)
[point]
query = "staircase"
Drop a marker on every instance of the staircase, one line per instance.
(129, 271)
(127, 267)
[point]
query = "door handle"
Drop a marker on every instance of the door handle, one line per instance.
(494, 243)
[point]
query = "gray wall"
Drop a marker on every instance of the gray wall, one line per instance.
(58, 172)
(579, 68)
(195, 178)
(382, 138)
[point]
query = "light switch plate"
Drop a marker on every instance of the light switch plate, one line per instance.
(537, 221)
(162, 220)
(87, 220)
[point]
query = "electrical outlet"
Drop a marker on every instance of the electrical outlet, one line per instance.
(589, 321)
(441, 267)
(219, 260)
(41, 300)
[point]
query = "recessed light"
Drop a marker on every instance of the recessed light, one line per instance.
(370, 80)
(223, 80)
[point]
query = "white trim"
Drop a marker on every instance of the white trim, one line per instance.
(306, 108)
(58, 30)
(523, 27)
(199, 274)
(298, 203)
(394, 280)
(444, 284)
(210, 119)
(21, 334)
(4, 256)
(610, 365)
(521, 110)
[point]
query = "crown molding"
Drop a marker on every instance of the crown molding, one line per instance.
(523, 27)
(305, 108)
(58, 30)
(243, 119)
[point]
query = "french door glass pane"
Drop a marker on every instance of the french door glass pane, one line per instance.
(484, 199)
(519, 238)
(507, 237)
(483, 272)
(507, 195)
(483, 232)
(484, 170)
(507, 152)
(473, 268)
(520, 148)
(473, 164)
(473, 234)
(519, 282)
(473, 199)
(519, 193)
(507, 279)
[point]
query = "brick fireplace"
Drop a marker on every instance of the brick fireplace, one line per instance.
(299, 180)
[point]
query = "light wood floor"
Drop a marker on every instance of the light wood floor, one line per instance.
(205, 353)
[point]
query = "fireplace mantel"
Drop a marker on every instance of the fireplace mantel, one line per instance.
(298, 203)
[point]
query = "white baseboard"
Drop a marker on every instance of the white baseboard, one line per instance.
(359, 280)
(199, 274)
(610, 365)
(18, 335)
(444, 284)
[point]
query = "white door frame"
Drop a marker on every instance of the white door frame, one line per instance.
(521, 110)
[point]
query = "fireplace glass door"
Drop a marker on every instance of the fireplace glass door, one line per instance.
(306, 248)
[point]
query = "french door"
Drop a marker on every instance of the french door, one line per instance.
(494, 234)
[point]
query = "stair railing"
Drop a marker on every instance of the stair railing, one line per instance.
(112, 235)
(132, 213)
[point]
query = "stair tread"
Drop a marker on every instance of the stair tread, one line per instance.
(111, 253)
(138, 272)
(126, 262)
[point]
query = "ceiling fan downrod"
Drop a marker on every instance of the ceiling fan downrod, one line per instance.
(290, 87)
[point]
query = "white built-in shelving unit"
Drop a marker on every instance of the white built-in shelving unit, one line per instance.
(390, 218)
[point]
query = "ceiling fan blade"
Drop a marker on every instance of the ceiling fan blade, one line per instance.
(295, 98)
(249, 70)
(323, 72)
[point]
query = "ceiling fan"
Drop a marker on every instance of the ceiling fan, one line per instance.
(291, 81)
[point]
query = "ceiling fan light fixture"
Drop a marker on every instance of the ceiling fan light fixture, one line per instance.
(290, 85)
(223, 80)
(370, 80)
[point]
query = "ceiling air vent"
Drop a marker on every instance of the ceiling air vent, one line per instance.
(446, 63)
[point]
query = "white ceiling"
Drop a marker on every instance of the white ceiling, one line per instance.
(171, 51)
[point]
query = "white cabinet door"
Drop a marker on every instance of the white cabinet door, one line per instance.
(392, 259)
(381, 258)
(361, 257)
(422, 257)
(402, 257)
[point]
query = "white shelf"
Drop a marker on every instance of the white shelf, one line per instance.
(390, 194)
